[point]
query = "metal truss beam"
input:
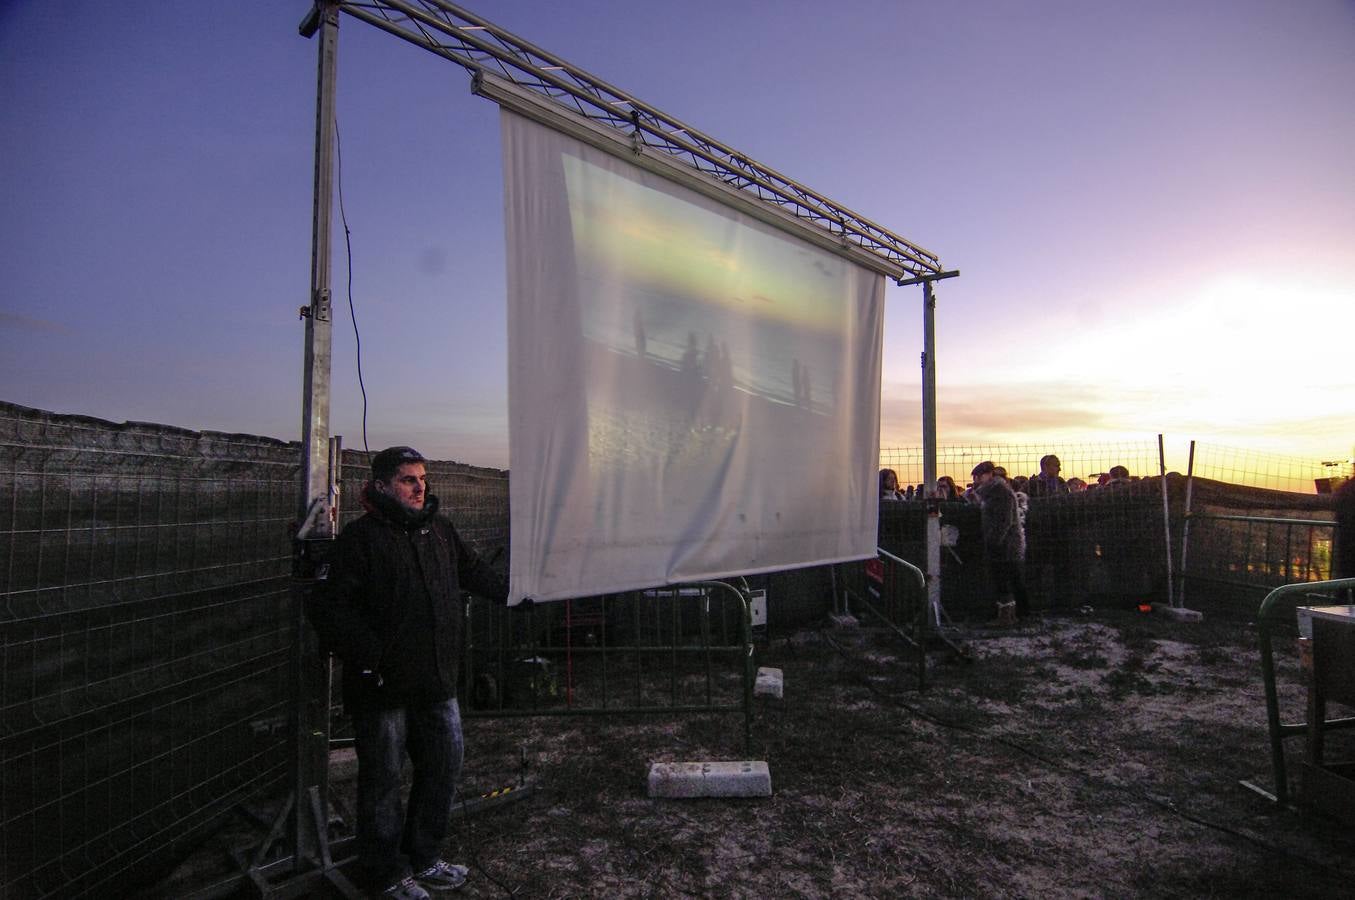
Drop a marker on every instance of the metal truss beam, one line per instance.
(483, 47)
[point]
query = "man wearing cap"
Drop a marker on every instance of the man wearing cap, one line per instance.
(391, 611)
(1004, 542)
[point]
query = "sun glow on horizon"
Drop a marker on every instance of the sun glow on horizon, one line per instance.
(1258, 360)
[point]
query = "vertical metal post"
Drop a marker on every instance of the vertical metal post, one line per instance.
(310, 762)
(1166, 514)
(317, 316)
(1185, 525)
(929, 453)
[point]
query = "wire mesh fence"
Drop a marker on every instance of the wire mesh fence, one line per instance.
(1240, 542)
(1085, 461)
(1252, 468)
(147, 617)
(1099, 537)
(1244, 523)
(147, 635)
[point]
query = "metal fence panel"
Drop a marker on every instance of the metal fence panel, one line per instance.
(146, 633)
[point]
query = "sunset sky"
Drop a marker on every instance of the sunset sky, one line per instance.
(1152, 206)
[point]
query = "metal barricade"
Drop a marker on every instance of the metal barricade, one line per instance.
(1278, 607)
(1255, 551)
(681, 650)
(896, 595)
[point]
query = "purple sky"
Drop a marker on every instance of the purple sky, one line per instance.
(1152, 205)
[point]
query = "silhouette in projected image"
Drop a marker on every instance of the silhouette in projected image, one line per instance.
(640, 338)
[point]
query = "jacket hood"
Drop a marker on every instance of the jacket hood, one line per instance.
(387, 509)
(993, 486)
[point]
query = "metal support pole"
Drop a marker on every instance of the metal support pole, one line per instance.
(317, 315)
(929, 491)
(929, 454)
(1166, 514)
(310, 761)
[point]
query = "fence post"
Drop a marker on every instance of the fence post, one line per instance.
(1166, 514)
(1185, 526)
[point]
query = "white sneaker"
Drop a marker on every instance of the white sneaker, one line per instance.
(442, 876)
(406, 889)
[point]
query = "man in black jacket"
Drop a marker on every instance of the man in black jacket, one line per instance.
(391, 611)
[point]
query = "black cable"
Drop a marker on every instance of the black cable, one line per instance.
(348, 247)
(1165, 804)
(468, 845)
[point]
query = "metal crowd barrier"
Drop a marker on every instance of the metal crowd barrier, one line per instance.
(1279, 607)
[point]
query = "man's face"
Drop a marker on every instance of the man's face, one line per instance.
(983, 478)
(1050, 466)
(407, 486)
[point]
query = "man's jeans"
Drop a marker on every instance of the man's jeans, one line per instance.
(431, 735)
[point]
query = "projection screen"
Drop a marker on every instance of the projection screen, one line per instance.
(693, 394)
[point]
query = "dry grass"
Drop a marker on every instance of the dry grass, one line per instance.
(1075, 757)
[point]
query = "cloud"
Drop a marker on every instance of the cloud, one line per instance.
(992, 417)
(25, 323)
(989, 411)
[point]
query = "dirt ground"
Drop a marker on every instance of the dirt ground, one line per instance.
(1095, 755)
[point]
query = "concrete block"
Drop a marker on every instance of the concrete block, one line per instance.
(1177, 613)
(768, 683)
(750, 778)
(843, 620)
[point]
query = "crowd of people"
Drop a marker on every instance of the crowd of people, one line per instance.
(1004, 503)
(1043, 483)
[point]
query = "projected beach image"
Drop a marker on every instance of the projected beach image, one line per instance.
(695, 316)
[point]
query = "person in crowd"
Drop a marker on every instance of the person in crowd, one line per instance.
(1076, 485)
(1047, 483)
(945, 486)
(889, 485)
(1021, 484)
(1048, 567)
(1117, 475)
(391, 611)
(1017, 485)
(1004, 542)
(908, 493)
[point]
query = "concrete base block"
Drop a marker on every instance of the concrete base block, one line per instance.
(769, 683)
(751, 778)
(1178, 613)
(843, 620)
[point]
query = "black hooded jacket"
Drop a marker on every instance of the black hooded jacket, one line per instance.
(391, 605)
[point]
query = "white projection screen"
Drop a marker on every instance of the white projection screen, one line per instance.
(693, 394)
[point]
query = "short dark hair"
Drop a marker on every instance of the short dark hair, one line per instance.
(388, 461)
(983, 468)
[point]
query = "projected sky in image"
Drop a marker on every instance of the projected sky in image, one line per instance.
(683, 283)
(683, 249)
(1152, 207)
